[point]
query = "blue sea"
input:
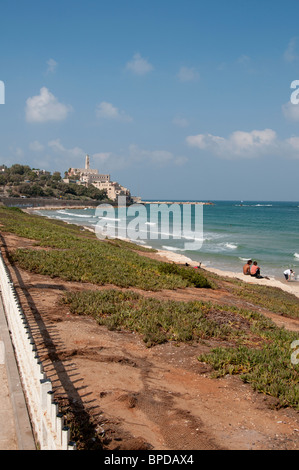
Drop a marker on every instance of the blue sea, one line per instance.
(233, 231)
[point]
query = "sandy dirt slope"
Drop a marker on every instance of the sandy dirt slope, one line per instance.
(160, 398)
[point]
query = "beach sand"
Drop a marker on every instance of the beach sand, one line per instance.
(292, 287)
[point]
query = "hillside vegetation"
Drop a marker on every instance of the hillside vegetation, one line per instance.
(83, 258)
(248, 344)
(23, 181)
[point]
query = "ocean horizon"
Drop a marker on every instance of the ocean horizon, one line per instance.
(233, 232)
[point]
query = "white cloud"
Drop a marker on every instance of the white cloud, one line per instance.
(180, 121)
(108, 161)
(52, 65)
(45, 107)
(102, 157)
(188, 74)
(17, 151)
(157, 157)
(74, 152)
(36, 146)
(106, 110)
(291, 147)
(290, 54)
(243, 59)
(291, 111)
(238, 144)
(293, 142)
(138, 65)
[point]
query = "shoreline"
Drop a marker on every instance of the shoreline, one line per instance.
(54, 208)
(291, 287)
(179, 202)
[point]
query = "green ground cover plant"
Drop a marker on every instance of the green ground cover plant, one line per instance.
(268, 369)
(157, 320)
(260, 354)
(271, 298)
(80, 256)
(258, 351)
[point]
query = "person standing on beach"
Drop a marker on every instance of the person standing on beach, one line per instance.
(288, 273)
(246, 267)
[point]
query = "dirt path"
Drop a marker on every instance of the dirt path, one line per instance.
(160, 398)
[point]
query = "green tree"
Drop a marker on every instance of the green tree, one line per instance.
(56, 176)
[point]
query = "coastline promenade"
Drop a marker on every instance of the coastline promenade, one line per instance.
(15, 427)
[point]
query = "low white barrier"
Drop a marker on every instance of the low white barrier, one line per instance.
(48, 423)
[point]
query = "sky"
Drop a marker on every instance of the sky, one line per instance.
(176, 100)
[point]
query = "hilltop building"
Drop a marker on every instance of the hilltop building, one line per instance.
(86, 176)
(39, 172)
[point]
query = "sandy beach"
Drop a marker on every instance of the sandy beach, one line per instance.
(292, 287)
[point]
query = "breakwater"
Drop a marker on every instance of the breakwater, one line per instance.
(179, 202)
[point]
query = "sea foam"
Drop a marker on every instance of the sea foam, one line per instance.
(231, 246)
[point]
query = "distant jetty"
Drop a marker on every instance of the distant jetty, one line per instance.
(178, 202)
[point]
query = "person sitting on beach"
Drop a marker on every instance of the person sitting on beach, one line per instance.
(288, 274)
(197, 267)
(256, 272)
(246, 267)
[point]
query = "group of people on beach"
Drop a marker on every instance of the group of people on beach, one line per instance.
(252, 269)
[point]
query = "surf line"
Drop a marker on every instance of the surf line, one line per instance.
(184, 226)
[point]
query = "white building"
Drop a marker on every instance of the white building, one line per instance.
(87, 171)
(100, 181)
